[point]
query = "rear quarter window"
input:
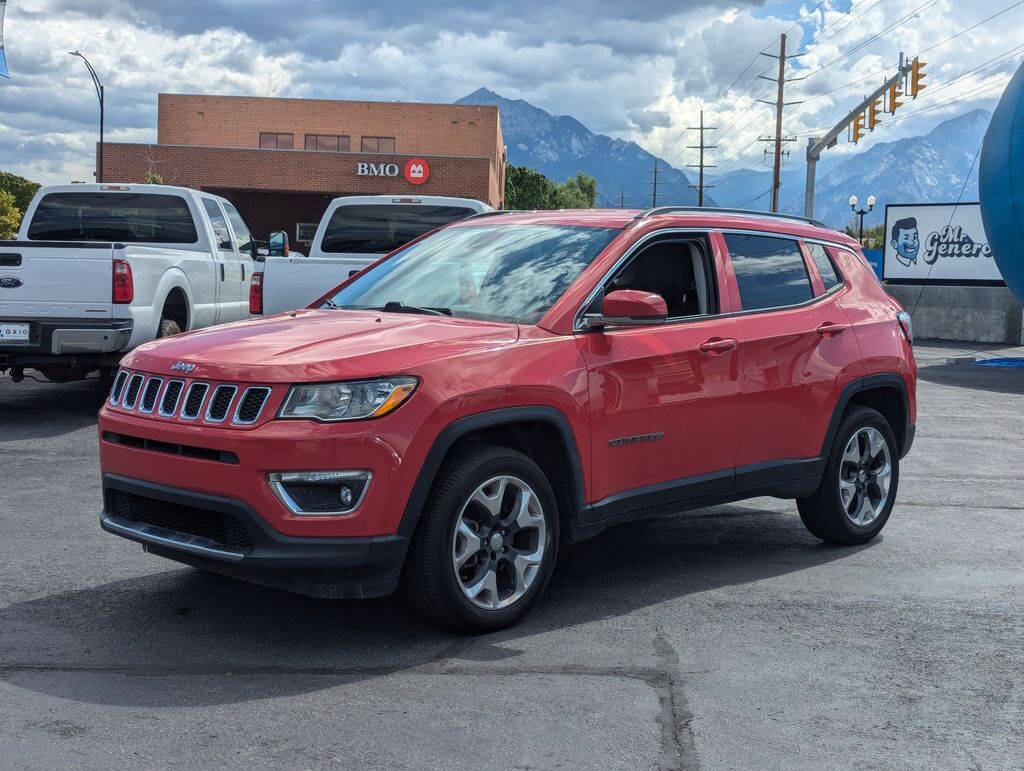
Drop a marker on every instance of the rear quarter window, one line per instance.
(770, 271)
(131, 217)
(826, 269)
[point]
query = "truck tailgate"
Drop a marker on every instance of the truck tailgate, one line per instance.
(40, 279)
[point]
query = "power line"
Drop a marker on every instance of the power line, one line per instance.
(849, 21)
(755, 198)
(902, 20)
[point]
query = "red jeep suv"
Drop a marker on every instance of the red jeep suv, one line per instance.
(458, 412)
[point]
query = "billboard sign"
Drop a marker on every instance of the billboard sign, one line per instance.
(937, 242)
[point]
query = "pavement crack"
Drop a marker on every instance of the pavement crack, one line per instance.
(678, 747)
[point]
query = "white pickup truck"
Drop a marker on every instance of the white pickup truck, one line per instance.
(354, 232)
(98, 269)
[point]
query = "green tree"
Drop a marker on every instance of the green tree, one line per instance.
(10, 216)
(527, 188)
(22, 189)
(152, 178)
(579, 192)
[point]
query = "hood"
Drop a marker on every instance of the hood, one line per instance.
(320, 345)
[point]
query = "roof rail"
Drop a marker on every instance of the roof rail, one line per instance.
(717, 210)
(493, 213)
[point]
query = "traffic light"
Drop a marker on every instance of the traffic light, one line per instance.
(894, 95)
(873, 109)
(917, 76)
(858, 128)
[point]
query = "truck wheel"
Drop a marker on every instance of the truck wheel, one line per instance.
(858, 488)
(486, 544)
(168, 327)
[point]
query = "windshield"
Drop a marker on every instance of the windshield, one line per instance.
(497, 273)
(134, 217)
(382, 228)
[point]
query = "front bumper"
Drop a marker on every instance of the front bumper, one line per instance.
(175, 523)
(65, 339)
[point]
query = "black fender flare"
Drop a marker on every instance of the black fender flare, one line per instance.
(884, 380)
(491, 419)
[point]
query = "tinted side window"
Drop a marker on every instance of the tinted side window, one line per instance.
(220, 225)
(239, 226)
(829, 274)
(770, 271)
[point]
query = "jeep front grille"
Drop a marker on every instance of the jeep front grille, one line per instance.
(251, 405)
(194, 400)
(149, 394)
(230, 404)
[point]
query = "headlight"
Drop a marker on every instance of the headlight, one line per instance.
(353, 400)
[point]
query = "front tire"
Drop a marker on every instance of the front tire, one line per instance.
(858, 488)
(486, 545)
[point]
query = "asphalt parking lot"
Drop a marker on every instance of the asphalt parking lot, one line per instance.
(723, 638)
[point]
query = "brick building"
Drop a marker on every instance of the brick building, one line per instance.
(281, 161)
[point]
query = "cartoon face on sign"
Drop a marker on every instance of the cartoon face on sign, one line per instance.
(906, 241)
(417, 171)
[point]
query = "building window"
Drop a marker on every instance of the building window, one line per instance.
(329, 142)
(383, 145)
(275, 141)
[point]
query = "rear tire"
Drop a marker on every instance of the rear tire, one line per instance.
(486, 544)
(859, 485)
(168, 328)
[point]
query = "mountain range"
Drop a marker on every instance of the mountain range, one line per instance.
(927, 168)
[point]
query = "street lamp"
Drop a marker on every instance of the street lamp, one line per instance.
(861, 212)
(99, 95)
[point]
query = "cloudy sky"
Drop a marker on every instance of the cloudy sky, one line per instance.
(638, 71)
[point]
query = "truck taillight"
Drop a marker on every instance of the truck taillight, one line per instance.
(123, 290)
(256, 293)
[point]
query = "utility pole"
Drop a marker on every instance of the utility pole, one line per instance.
(779, 103)
(817, 145)
(654, 186)
(622, 198)
(700, 187)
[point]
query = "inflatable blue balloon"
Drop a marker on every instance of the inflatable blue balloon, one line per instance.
(1001, 184)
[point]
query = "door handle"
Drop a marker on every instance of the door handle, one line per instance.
(243, 273)
(717, 346)
(222, 271)
(829, 328)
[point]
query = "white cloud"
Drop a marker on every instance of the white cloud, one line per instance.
(635, 71)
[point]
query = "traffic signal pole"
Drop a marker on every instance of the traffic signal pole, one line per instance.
(817, 145)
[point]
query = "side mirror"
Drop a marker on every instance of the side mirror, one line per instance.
(277, 242)
(628, 308)
(258, 250)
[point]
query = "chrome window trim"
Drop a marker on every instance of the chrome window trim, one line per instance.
(128, 388)
(213, 396)
(234, 419)
(195, 384)
(156, 399)
(278, 489)
(579, 326)
(174, 409)
(113, 387)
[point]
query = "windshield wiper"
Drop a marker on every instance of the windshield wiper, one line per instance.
(396, 306)
(332, 305)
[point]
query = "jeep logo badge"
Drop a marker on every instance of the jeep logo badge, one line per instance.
(182, 366)
(10, 282)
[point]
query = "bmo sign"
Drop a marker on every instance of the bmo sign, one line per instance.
(416, 170)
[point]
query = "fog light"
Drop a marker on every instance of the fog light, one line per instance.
(320, 493)
(345, 496)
